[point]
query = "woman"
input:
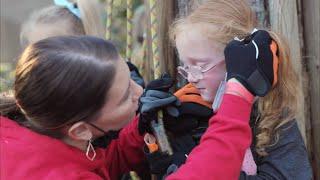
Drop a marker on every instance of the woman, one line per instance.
(201, 38)
(74, 90)
(71, 91)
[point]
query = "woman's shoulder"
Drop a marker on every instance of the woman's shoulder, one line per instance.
(41, 157)
(5, 121)
(66, 173)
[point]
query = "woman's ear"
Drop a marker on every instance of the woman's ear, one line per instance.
(80, 131)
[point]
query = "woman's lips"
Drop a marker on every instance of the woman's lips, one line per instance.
(136, 107)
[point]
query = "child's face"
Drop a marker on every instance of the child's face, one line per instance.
(197, 50)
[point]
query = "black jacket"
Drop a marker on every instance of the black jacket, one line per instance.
(286, 160)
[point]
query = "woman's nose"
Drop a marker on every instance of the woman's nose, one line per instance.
(137, 91)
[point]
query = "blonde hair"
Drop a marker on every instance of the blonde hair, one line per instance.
(91, 22)
(221, 21)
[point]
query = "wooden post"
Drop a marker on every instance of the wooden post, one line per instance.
(149, 75)
(184, 7)
(258, 6)
(167, 56)
(129, 30)
(109, 18)
(312, 58)
(284, 19)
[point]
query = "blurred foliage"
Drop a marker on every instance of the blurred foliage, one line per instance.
(119, 23)
(6, 76)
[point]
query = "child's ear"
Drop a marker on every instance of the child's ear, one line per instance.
(80, 131)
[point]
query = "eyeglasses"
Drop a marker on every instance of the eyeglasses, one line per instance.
(196, 71)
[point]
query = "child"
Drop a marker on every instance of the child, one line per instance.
(201, 37)
(64, 18)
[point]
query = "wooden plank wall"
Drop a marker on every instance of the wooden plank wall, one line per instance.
(284, 19)
(311, 35)
(149, 62)
(167, 52)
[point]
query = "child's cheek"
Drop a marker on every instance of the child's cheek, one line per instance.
(211, 84)
(211, 81)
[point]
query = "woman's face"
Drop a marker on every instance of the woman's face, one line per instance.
(197, 50)
(122, 102)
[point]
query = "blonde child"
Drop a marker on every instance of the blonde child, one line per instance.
(84, 17)
(201, 37)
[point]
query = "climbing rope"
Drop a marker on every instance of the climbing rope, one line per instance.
(129, 30)
(109, 19)
(154, 38)
(158, 127)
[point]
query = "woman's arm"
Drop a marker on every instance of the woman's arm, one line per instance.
(125, 153)
(288, 159)
(222, 147)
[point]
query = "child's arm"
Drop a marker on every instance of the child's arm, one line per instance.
(125, 153)
(221, 150)
(288, 159)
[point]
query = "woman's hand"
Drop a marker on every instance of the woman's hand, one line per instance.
(135, 74)
(156, 97)
(253, 62)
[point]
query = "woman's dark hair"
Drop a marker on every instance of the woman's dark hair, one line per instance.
(62, 80)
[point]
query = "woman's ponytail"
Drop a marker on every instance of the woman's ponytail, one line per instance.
(9, 108)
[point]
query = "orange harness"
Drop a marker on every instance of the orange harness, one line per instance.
(189, 93)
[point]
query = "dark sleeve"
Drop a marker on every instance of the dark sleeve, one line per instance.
(288, 159)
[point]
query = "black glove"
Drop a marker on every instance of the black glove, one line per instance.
(181, 146)
(135, 74)
(156, 97)
(256, 74)
(191, 117)
(160, 162)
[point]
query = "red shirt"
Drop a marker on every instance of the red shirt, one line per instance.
(28, 155)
